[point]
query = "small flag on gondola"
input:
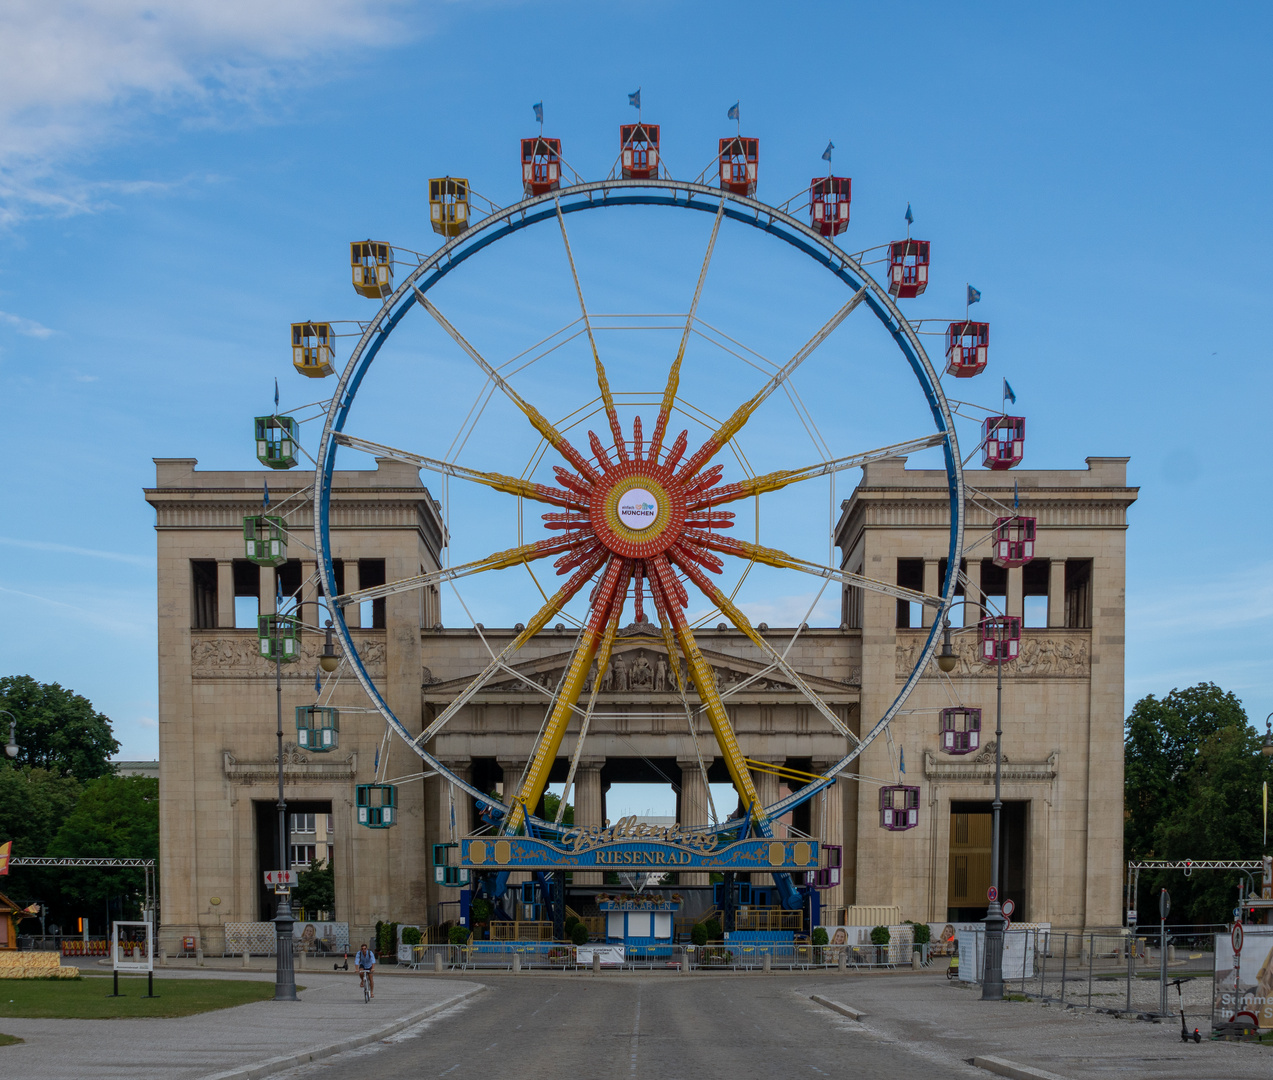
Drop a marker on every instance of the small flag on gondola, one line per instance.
(635, 99)
(276, 395)
(733, 112)
(910, 218)
(973, 295)
(1016, 496)
(539, 111)
(901, 758)
(318, 683)
(266, 497)
(1008, 394)
(826, 154)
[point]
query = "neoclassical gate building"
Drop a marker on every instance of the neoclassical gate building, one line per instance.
(1062, 703)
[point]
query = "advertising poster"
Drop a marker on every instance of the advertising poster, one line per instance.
(321, 937)
(1255, 992)
(611, 955)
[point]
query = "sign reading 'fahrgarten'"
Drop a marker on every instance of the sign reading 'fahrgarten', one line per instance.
(528, 853)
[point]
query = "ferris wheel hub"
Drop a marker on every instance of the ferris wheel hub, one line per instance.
(638, 509)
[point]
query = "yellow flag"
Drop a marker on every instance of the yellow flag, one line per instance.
(5, 848)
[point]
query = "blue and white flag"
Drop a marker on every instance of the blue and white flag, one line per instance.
(733, 112)
(1008, 395)
(826, 154)
(1016, 497)
(901, 758)
(973, 295)
(539, 111)
(266, 498)
(275, 395)
(318, 683)
(910, 218)
(635, 99)
(375, 767)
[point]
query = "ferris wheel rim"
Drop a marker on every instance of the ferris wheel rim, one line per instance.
(577, 198)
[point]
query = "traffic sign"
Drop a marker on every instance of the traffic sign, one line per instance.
(1164, 904)
(1008, 908)
(280, 878)
(1236, 937)
(1007, 925)
(992, 894)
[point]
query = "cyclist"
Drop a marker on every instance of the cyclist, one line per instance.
(365, 965)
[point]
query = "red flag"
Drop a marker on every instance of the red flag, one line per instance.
(5, 848)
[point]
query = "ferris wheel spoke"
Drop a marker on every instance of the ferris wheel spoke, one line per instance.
(731, 427)
(774, 557)
(704, 678)
(688, 564)
(536, 777)
(674, 373)
(603, 664)
(511, 484)
(603, 383)
(500, 560)
(776, 481)
(540, 423)
(555, 603)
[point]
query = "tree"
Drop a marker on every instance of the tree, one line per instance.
(1194, 776)
(33, 805)
(58, 729)
(551, 802)
(117, 817)
(316, 888)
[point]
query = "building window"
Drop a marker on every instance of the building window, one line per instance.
(247, 594)
(994, 587)
(303, 823)
(203, 579)
(331, 854)
(1034, 592)
(371, 572)
(910, 575)
(1078, 593)
(302, 855)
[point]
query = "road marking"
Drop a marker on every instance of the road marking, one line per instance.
(451, 1069)
(636, 1030)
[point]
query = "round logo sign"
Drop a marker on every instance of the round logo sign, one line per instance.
(637, 508)
(1009, 907)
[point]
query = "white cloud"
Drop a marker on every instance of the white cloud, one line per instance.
(48, 545)
(27, 327)
(77, 74)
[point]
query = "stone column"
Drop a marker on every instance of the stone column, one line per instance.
(353, 615)
(225, 594)
(827, 819)
(972, 609)
(767, 788)
(1016, 584)
(309, 572)
(931, 584)
(587, 799)
(1056, 592)
(269, 591)
(693, 808)
(513, 769)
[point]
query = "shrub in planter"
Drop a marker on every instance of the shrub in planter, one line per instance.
(410, 935)
(880, 935)
(714, 931)
(458, 935)
(820, 935)
(579, 933)
(923, 934)
(698, 935)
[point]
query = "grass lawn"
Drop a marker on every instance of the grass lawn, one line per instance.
(8, 1040)
(86, 999)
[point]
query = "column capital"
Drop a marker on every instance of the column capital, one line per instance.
(456, 763)
(591, 764)
(692, 763)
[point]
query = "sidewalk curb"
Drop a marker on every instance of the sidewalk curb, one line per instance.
(290, 1061)
(1012, 1070)
(836, 1006)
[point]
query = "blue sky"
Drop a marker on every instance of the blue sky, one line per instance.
(178, 183)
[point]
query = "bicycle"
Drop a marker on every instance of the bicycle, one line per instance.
(366, 985)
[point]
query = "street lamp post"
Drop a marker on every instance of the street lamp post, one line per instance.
(992, 974)
(284, 971)
(11, 747)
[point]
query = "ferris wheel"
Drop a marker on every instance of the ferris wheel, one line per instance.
(630, 490)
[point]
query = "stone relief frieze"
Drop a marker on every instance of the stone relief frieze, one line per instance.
(1040, 657)
(298, 768)
(235, 656)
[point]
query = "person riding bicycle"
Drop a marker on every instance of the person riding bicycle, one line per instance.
(365, 965)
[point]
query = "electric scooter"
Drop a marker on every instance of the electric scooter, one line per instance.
(1185, 1036)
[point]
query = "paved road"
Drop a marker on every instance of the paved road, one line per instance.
(625, 1027)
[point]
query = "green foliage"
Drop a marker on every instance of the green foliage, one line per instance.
(458, 935)
(714, 930)
(880, 935)
(86, 999)
(923, 933)
(698, 934)
(1194, 776)
(579, 934)
(386, 938)
(316, 889)
(551, 802)
(411, 935)
(58, 729)
(820, 935)
(480, 911)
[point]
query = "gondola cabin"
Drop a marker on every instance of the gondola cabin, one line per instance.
(639, 149)
(1000, 638)
(828, 875)
(372, 263)
(317, 728)
(377, 805)
(265, 539)
(899, 807)
(908, 269)
(829, 198)
(312, 349)
(1013, 541)
(541, 165)
(276, 440)
(279, 637)
(960, 730)
(446, 870)
(1003, 442)
(449, 205)
(967, 348)
(739, 160)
